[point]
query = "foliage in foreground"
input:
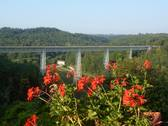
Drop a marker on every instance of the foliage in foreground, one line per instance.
(157, 76)
(116, 98)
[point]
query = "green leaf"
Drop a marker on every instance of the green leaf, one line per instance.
(92, 114)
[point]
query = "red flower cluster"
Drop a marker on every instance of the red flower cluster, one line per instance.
(98, 80)
(137, 87)
(51, 76)
(147, 65)
(47, 79)
(32, 121)
(120, 81)
(61, 89)
(82, 82)
(111, 86)
(33, 92)
(112, 65)
(131, 98)
(89, 84)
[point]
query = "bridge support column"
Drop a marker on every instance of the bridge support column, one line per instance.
(43, 62)
(78, 64)
(149, 49)
(130, 53)
(106, 57)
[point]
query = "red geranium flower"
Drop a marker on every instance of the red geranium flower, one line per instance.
(33, 92)
(111, 86)
(34, 118)
(30, 94)
(98, 80)
(47, 79)
(82, 82)
(32, 121)
(108, 67)
(138, 87)
(124, 82)
(51, 76)
(61, 89)
(132, 99)
(120, 81)
(112, 65)
(54, 67)
(147, 65)
(55, 77)
(48, 69)
(117, 81)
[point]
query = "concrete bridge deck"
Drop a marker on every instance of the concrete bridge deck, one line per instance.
(78, 49)
(22, 49)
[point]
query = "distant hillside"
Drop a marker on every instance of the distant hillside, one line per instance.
(139, 39)
(46, 36)
(52, 36)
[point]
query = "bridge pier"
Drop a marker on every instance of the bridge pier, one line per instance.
(106, 57)
(149, 49)
(130, 53)
(78, 64)
(43, 62)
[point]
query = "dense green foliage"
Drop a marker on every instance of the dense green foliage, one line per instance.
(52, 36)
(46, 36)
(14, 80)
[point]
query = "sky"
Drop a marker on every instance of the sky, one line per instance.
(87, 16)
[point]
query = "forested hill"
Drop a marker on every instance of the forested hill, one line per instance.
(46, 36)
(52, 36)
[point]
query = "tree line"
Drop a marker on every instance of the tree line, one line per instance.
(54, 37)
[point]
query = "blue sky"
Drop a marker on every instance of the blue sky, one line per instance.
(87, 16)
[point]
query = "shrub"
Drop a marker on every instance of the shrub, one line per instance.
(116, 98)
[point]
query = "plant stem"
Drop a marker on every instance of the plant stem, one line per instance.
(46, 94)
(43, 99)
(104, 92)
(76, 107)
(79, 122)
(135, 112)
(120, 99)
(145, 74)
(138, 112)
(119, 105)
(71, 119)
